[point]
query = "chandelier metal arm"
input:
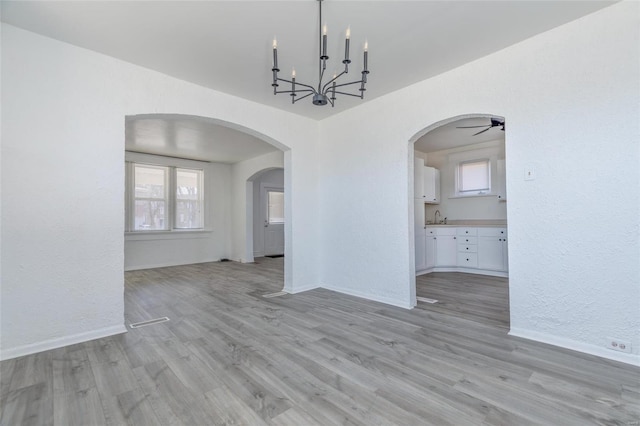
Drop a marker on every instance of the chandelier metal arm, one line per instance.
(324, 88)
(349, 94)
(297, 84)
(302, 97)
(345, 84)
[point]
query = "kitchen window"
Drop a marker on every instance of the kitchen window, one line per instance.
(473, 177)
(163, 198)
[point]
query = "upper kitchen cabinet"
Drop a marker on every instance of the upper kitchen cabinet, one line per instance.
(431, 185)
(426, 182)
(501, 181)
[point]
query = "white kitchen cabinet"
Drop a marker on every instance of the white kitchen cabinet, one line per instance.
(426, 182)
(501, 184)
(492, 249)
(418, 179)
(467, 248)
(431, 185)
(481, 250)
(430, 251)
(420, 236)
(446, 247)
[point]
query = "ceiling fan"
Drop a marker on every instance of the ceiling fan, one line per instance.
(494, 123)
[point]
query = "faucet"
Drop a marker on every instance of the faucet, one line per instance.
(435, 216)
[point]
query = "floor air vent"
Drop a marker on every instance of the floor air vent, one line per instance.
(426, 300)
(149, 322)
(276, 294)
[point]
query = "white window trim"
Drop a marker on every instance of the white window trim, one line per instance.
(172, 164)
(474, 193)
(455, 158)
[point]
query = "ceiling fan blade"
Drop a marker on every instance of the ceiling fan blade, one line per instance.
(473, 127)
(482, 131)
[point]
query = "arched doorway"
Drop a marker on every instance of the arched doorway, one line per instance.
(229, 155)
(458, 209)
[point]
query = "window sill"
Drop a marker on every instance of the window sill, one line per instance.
(472, 196)
(167, 235)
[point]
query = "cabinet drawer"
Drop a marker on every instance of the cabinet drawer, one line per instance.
(492, 232)
(468, 260)
(467, 248)
(467, 240)
(445, 231)
(467, 231)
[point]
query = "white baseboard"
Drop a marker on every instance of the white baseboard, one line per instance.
(59, 342)
(374, 297)
(464, 270)
(574, 345)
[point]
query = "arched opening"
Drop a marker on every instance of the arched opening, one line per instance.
(459, 217)
(226, 158)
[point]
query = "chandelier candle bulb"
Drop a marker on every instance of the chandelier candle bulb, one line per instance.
(366, 60)
(324, 42)
(346, 46)
(275, 55)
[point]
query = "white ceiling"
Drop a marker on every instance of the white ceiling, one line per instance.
(195, 138)
(226, 45)
(450, 136)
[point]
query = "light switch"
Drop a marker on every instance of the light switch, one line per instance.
(529, 173)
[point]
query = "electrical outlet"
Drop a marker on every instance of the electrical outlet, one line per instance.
(619, 345)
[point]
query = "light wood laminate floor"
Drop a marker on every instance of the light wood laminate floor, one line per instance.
(230, 356)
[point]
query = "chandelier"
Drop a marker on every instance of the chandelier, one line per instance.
(322, 94)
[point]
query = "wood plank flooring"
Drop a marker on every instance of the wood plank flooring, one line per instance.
(228, 356)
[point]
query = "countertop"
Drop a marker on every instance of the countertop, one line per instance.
(473, 223)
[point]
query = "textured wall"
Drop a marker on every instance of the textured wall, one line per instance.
(571, 100)
(63, 111)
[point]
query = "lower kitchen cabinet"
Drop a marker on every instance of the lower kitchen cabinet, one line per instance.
(420, 234)
(446, 250)
(430, 251)
(492, 249)
(481, 250)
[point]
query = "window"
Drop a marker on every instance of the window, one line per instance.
(474, 177)
(275, 207)
(188, 199)
(164, 198)
(150, 198)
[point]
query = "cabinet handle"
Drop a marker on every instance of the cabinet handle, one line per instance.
(454, 238)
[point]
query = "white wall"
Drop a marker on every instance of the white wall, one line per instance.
(465, 208)
(275, 179)
(152, 250)
(63, 111)
(571, 100)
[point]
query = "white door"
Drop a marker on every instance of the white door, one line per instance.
(273, 202)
